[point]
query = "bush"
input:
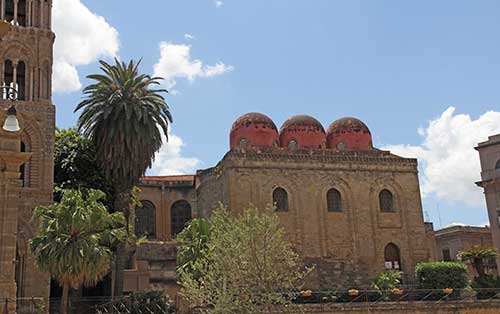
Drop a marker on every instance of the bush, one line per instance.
(153, 302)
(441, 275)
(386, 282)
(490, 283)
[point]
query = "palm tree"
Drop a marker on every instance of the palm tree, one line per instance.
(71, 243)
(125, 116)
(477, 257)
(194, 244)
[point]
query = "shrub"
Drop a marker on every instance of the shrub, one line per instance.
(441, 275)
(489, 282)
(153, 302)
(386, 282)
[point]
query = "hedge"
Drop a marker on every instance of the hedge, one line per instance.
(441, 275)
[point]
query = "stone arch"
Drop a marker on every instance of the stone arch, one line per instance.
(19, 51)
(32, 138)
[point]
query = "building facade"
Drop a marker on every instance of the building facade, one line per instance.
(26, 65)
(489, 154)
(452, 240)
(350, 209)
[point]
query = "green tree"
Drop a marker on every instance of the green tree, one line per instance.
(478, 256)
(75, 165)
(73, 239)
(194, 244)
(125, 116)
(248, 267)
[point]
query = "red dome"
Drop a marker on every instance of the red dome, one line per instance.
(349, 134)
(253, 130)
(303, 132)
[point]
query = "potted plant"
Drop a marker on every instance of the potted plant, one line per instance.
(306, 293)
(353, 292)
(397, 291)
(448, 290)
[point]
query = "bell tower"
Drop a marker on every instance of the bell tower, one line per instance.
(26, 66)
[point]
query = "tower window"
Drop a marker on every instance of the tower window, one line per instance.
(292, 144)
(334, 201)
(180, 215)
(386, 201)
(145, 220)
(497, 166)
(9, 10)
(280, 200)
(243, 142)
(21, 12)
(21, 80)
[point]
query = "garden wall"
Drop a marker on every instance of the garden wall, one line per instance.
(477, 307)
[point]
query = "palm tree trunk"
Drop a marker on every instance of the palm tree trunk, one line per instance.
(122, 203)
(479, 267)
(65, 299)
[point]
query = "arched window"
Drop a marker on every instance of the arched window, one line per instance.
(243, 142)
(292, 144)
(280, 199)
(145, 220)
(386, 201)
(497, 166)
(392, 257)
(180, 215)
(334, 201)
(21, 80)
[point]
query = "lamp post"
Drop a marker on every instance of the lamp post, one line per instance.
(11, 123)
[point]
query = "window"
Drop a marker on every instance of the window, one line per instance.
(392, 257)
(280, 200)
(9, 10)
(292, 144)
(23, 177)
(21, 12)
(446, 255)
(386, 201)
(497, 166)
(180, 215)
(334, 201)
(145, 220)
(21, 80)
(243, 142)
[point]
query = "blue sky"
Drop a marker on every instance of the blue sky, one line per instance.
(397, 65)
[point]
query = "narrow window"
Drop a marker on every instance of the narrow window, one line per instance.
(145, 220)
(386, 201)
(180, 215)
(22, 12)
(24, 178)
(9, 10)
(243, 142)
(392, 257)
(497, 166)
(446, 255)
(280, 200)
(334, 201)
(21, 80)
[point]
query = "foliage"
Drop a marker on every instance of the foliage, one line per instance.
(75, 165)
(441, 275)
(194, 244)
(122, 115)
(489, 282)
(73, 239)
(125, 116)
(248, 266)
(478, 256)
(386, 282)
(152, 302)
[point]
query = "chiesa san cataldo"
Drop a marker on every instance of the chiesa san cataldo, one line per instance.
(350, 209)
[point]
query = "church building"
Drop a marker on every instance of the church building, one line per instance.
(350, 209)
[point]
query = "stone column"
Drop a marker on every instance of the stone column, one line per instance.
(30, 8)
(2, 13)
(11, 159)
(16, 2)
(42, 8)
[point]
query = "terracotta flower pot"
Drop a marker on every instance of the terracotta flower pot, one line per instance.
(448, 290)
(306, 293)
(397, 291)
(353, 292)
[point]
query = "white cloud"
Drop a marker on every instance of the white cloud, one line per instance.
(169, 160)
(82, 37)
(218, 3)
(449, 165)
(189, 36)
(175, 62)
